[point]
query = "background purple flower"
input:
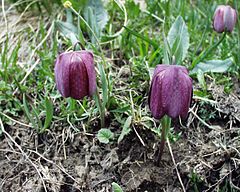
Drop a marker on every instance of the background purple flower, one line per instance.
(224, 18)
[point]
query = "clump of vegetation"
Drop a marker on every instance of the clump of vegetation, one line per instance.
(91, 93)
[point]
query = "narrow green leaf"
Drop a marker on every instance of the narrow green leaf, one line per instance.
(121, 110)
(144, 38)
(27, 112)
(18, 84)
(104, 135)
(71, 104)
(201, 79)
(104, 84)
(154, 57)
(126, 129)
(80, 32)
(36, 113)
(4, 54)
(49, 113)
(14, 55)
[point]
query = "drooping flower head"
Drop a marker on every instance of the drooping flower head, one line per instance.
(170, 92)
(224, 19)
(75, 74)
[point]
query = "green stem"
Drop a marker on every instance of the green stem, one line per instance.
(101, 109)
(101, 105)
(203, 55)
(166, 123)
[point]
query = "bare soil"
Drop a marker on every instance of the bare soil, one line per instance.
(62, 160)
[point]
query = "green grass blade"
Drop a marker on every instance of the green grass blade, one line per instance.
(104, 84)
(49, 113)
(144, 38)
(27, 111)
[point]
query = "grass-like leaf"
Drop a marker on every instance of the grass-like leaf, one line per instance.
(144, 38)
(126, 129)
(49, 113)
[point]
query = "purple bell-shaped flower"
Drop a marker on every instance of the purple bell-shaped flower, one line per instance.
(75, 74)
(224, 19)
(170, 92)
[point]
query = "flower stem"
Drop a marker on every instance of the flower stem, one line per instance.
(166, 123)
(161, 147)
(104, 65)
(203, 55)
